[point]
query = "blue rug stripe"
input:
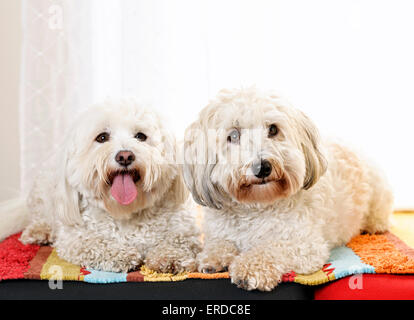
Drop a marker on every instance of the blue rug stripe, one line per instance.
(346, 263)
(104, 277)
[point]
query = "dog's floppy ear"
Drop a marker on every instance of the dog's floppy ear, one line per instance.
(178, 192)
(66, 200)
(199, 162)
(316, 163)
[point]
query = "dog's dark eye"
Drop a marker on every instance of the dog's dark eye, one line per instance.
(141, 137)
(102, 137)
(234, 136)
(273, 130)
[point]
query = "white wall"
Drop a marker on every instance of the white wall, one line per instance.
(10, 43)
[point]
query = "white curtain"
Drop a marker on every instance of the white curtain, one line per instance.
(56, 79)
(347, 63)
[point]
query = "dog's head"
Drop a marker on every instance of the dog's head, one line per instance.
(117, 156)
(251, 148)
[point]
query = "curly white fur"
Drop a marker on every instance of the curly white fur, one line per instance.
(318, 195)
(73, 207)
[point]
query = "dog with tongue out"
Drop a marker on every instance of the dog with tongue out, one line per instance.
(115, 198)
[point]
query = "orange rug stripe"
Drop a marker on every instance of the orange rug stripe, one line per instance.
(135, 276)
(37, 263)
(379, 252)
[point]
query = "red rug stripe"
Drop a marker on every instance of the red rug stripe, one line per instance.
(371, 287)
(15, 257)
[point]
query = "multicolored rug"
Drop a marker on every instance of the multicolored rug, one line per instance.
(386, 253)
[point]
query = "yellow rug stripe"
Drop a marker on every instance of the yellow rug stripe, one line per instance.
(198, 275)
(316, 278)
(153, 276)
(58, 269)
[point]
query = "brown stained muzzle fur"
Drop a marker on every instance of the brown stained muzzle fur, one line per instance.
(250, 189)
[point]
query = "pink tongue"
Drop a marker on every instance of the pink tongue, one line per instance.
(123, 189)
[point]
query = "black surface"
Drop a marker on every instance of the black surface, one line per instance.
(191, 289)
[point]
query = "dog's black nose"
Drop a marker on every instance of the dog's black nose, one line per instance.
(262, 169)
(125, 158)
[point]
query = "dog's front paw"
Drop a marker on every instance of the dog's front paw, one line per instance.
(216, 258)
(37, 232)
(122, 261)
(211, 262)
(129, 260)
(170, 260)
(249, 273)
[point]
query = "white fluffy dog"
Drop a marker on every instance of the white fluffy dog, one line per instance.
(114, 197)
(277, 197)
